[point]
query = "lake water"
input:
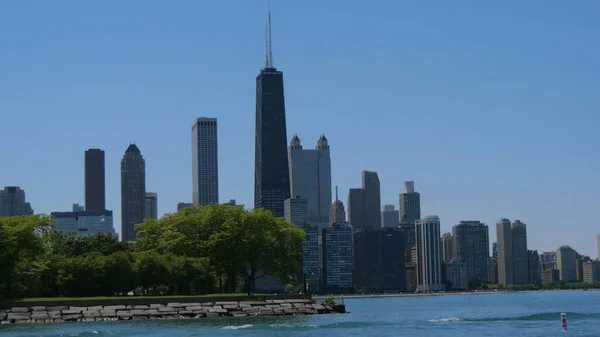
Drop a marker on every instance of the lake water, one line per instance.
(516, 314)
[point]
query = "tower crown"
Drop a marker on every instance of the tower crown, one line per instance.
(295, 142)
(322, 143)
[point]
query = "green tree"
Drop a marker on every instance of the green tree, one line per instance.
(116, 276)
(20, 244)
(474, 283)
(237, 242)
(150, 272)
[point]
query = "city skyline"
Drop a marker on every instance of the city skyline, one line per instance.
(53, 164)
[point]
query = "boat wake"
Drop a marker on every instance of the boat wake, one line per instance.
(544, 316)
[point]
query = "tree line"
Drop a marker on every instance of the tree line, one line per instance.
(198, 250)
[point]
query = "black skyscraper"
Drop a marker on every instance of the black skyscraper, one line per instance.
(133, 191)
(94, 180)
(271, 171)
(379, 260)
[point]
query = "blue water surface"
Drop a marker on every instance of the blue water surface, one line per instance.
(501, 314)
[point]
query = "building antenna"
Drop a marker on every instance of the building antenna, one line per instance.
(269, 43)
(336, 194)
(266, 45)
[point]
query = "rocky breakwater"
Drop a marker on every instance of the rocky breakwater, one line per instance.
(59, 314)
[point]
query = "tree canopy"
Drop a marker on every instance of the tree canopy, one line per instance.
(239, 244)
(194, 251)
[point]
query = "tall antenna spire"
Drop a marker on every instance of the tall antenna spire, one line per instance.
(266, 45)
(269, 46)
(336, 194)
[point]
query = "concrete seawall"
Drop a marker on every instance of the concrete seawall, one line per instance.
(59, 314)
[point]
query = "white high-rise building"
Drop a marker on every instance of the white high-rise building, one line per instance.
(429, 271)
(295, 211)
(310, 178)
(205, 168)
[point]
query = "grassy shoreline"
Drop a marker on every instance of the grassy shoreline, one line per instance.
(109, 298)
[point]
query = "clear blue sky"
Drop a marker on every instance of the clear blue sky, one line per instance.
(492, 108)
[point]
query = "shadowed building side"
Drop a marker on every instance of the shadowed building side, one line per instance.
(12, 202)
(205, 162)
(95, 197)
(133, 192)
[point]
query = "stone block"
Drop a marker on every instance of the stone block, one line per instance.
(167, 310)
(240, 314)
(128, 307)
(254, 303)
(115, 307)
(3, 315)
(18, 316)
(139, 312)
(249, 309)
(71, 312)
(269, 301)
(59, 320)
(141, 307)
(72, 317)
(285, 305)
(175, 305)
(193, 308)
(108, 313)
(231, 307)
(218, 311)
(289, 310)
(328, 308)
(200, 315)
(77, 309)
(168, 313)
(88, 319)
(140, 317)
(94, 308)
(91, 313)
(40, 315)
(319, 307)
(152, 312)
(266, 312)
(124, 314)
(279, 301)
(212, 314)
(192, 304)
(38, 308)
(54, 315)
(59, 308)
(156, 306)
(307, 311)
(207, 304)
(227, 303)
(273, 306)
(19, 310)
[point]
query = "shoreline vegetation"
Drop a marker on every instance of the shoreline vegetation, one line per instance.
(196, 251)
